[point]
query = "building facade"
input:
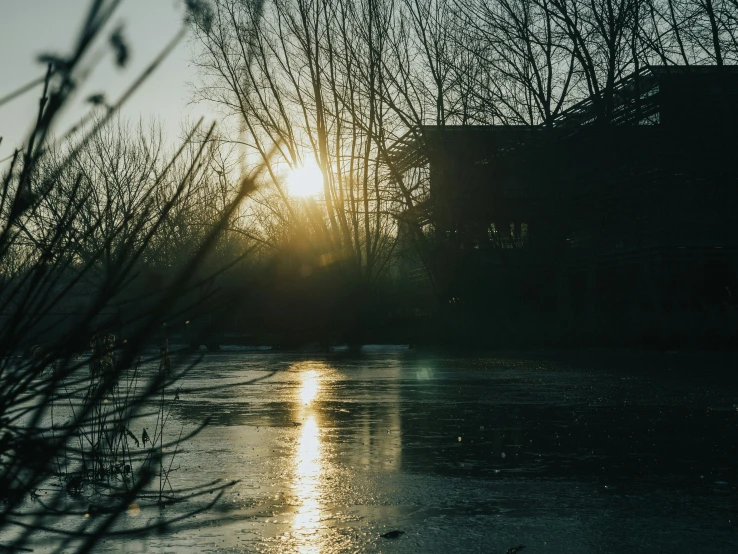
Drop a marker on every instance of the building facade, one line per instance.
(606, 224)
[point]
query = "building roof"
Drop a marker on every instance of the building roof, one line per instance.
(639, 98)
(684, 96)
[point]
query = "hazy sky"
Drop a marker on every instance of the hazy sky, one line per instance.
(31, 27)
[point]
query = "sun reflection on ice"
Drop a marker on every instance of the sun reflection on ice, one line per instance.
(309, 471)
(310, 386)
(308, 474)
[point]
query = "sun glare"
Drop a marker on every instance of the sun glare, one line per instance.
(305, 181)
(310, 386)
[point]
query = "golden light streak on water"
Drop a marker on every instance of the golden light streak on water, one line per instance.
(307, 485)
(309, 472)
(310, 386)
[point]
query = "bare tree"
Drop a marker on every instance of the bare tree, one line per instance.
(530, 59)
(307, 90)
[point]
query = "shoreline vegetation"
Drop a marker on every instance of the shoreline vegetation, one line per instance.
(80, 215)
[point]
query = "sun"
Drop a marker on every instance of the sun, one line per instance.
(305, 181)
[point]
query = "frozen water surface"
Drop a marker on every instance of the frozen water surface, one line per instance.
(561, 453)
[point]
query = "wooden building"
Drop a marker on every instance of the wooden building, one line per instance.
(592, 217)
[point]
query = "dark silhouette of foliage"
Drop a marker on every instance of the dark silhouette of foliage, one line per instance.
(76, 240)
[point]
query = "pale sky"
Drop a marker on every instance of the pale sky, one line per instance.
(31, 27)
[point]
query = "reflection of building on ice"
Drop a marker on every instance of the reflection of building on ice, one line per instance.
(379, 440)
